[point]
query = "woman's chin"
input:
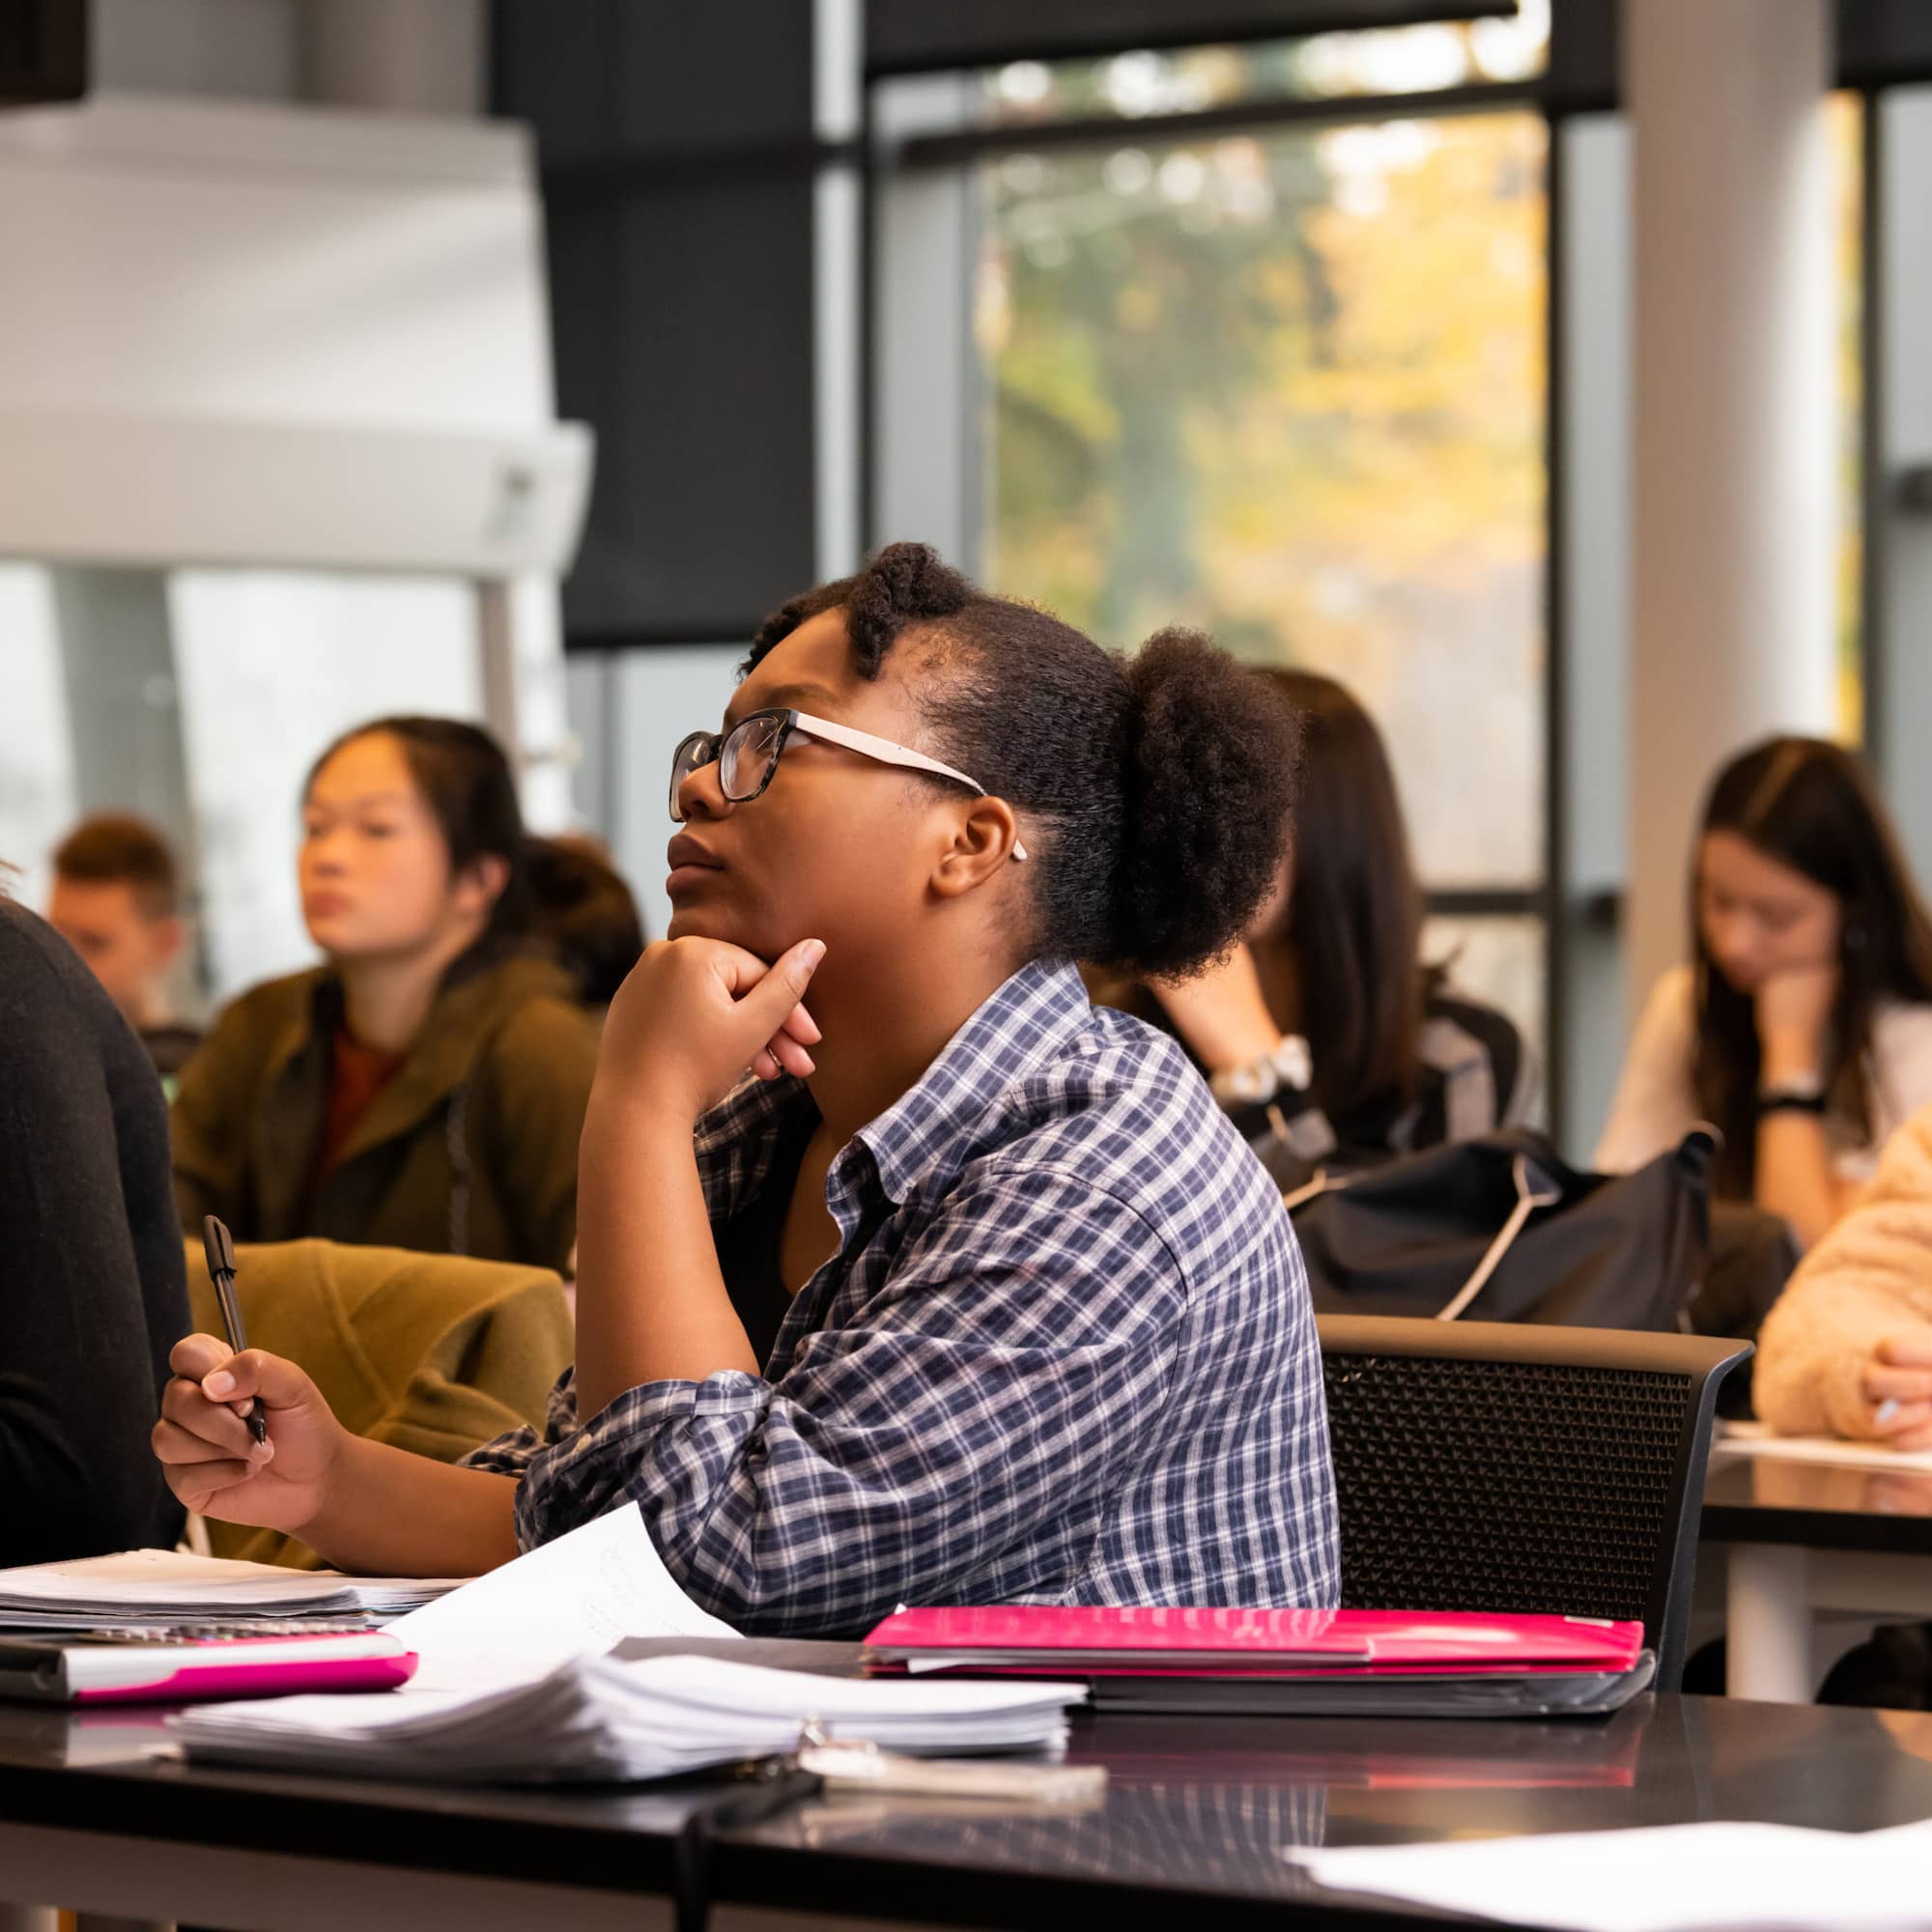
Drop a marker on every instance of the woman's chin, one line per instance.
(697, 922)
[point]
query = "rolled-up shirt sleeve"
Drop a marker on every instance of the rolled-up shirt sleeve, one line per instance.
(1005, 1366)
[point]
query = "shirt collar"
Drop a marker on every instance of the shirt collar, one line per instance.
(1021, 1026)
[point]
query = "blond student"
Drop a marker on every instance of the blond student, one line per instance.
(1847, 1350)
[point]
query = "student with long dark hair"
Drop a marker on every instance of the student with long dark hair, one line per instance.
(972, 1295)
(1327, 1036)
(425, 1087)
(1802, 1025)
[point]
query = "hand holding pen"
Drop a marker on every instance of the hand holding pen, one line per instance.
(220, 1250)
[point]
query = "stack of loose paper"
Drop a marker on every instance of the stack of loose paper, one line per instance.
(1668, 1878)
(517, 1684)
(603, 1718)
(142, 1588)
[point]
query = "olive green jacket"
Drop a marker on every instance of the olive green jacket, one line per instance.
(430, 1353)
(469, 1149)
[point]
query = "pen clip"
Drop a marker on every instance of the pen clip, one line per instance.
(218, 1244)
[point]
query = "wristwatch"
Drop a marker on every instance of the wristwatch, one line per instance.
(1258, 1081)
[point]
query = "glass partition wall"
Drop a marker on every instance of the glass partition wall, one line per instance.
(199, 698)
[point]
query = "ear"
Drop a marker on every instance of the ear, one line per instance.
(982, 845)
(479, 886)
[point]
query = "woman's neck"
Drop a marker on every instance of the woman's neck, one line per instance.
(386, 998)
(880, 1038)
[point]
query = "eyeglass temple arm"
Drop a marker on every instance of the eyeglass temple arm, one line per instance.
(889, 754)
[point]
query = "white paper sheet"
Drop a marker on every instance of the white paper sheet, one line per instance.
(575, 1597)
(1672, 1878)
(1754, 1439)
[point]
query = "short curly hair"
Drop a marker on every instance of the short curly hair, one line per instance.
(1158, 789)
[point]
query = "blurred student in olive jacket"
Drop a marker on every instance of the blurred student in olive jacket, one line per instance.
(425, 1087)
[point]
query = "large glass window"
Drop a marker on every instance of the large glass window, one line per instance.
(1324, 67)
(1291, 387)
(1259, 343)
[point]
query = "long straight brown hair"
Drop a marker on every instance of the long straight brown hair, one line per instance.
(1808, 804)
(1354, 906)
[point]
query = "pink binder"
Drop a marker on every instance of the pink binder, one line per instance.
(1239, 1643)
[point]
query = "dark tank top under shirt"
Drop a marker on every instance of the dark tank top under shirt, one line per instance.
(748, 1252)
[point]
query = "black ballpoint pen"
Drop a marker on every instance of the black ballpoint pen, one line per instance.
(220, 1250)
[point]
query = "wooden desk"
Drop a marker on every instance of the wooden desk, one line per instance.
(1801, 1540)
(1194, 1821)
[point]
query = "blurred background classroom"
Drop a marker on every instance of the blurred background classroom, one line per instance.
(1545, 370)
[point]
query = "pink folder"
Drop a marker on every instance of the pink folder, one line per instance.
(1239, 1643)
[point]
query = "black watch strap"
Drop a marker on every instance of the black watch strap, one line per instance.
(1789, 1101)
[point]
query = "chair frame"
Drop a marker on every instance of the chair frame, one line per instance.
(1703, 1359)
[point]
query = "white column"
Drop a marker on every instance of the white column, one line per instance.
(1903, 539)
(1733, 527)
(1767, 1624)
(837, 85)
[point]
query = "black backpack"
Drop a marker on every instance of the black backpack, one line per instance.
(1501, 1229)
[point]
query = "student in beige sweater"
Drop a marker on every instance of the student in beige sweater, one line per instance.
(1848, 1349)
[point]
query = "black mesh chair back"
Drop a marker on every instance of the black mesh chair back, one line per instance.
(1521, 1468)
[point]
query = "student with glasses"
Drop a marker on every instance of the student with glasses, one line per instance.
(904, 1275)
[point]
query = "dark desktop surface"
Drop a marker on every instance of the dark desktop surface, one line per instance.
(1197, 1812)
(1823, 1505)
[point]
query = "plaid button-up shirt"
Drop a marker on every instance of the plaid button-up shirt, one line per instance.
(1065, 1354)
